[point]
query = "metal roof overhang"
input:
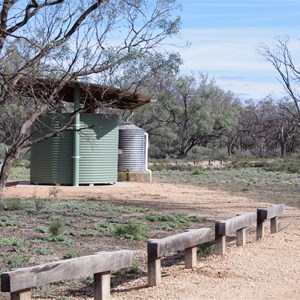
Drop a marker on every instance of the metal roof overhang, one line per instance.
(90, 93)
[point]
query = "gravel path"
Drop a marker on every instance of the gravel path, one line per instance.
(264, 269)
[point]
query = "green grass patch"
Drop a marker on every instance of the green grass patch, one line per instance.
(122, 209)
(11, 241)
(133, 230)
(12, 205)
(198, 171)
(45, 250)
(10, 223)
(18, 262)
(171, 221)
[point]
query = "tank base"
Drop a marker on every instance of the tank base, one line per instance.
(134, 177)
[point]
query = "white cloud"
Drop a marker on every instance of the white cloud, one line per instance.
(232, 53)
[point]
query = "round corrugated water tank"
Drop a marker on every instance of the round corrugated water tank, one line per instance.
(52, 160)
(131, 149)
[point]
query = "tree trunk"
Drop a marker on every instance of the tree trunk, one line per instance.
(9, 159)
(283, 146)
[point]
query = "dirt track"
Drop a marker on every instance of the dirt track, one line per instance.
(265, 269)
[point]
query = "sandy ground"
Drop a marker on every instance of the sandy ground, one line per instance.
(264, 269)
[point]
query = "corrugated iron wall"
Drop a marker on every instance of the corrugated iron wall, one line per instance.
(51, 160)
(98, 149)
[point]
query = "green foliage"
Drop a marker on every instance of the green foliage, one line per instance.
(205, 249)
(132, 230)
(198, 171)
(39, 204)
(112, 207)
(89, 280)
(27, 164)
(9, 223)
(249, 162)
(59, 239)
(18, 262)
(290, 165)
(13, 204)
(43, 290)
(171, 221)
(57, 227)
(133, 269)
(83, 233)
(178, 218)
(160, 166)
(11, 241)
(72, 253)
(45, 250)
(19, 172)
(190, 112)
(42, 229)
(18, 164)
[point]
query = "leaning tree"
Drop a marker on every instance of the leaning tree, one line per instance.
(68, 39)
(283, 61)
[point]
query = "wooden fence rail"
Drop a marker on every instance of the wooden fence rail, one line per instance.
(236, 225)
(187, 241)
(19, 282)
(239, 223)
(271, 213)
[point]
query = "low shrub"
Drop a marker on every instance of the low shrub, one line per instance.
(290, 165)
(18, 262)
(133, 231)
(57, 227)
(205, 249)
(44, 250)
(72, 253)
(12, 204)
(198, 171)
(11, 241)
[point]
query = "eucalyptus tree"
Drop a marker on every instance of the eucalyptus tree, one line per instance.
(242, 136)
(65, 39)
(189, 112)
(281, 58)
(277, 125)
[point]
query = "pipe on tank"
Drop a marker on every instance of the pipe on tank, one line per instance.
(146, 155)
(76, 142)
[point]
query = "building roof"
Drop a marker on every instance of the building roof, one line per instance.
(93, 94)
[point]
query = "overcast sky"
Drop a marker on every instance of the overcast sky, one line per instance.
(224, 38)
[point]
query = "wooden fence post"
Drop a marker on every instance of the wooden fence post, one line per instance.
(102, 286)
(154, 264)
(274, 225)
(190, 257)
(241, 237)
(21, 295)
(220, 239)
(261, 219)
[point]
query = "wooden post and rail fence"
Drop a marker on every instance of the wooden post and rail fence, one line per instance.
(20, 282)
(239, 223)
(187, 241)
